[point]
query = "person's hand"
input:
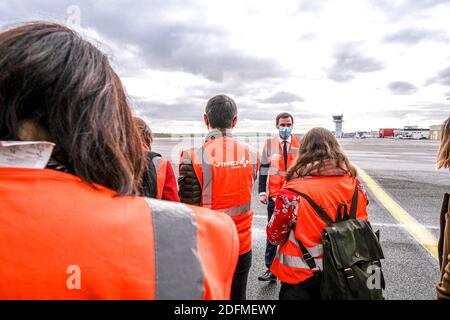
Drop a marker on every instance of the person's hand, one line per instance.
(263, 198)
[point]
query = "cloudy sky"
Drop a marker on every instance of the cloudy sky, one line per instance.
(382, 63)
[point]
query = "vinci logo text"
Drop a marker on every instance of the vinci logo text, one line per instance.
(244, 162)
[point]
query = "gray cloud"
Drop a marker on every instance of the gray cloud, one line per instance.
(426, 112)
(402, 88)
(432, 111)
(283, 97)
(189, 46)
(193, 110)
(310, 5)
(396, 11)
(258, 112)
(442, 78)
(183, 111)
(349, 61)
(196, 47)
(199, 50)
(413, 36)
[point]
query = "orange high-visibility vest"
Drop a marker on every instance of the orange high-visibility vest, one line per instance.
(161, 169)
(63, 239)
(273, 153)
(226, 170)
(328, 192)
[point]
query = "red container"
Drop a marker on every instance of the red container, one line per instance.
(386, 133)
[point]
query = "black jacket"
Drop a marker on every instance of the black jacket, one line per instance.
(149, 180)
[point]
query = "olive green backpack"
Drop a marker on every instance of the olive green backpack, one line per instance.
(351, 256)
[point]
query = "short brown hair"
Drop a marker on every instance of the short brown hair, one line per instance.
(284, 115)
(443, 160)
(317, 146)
(221, 111)
(54, 78)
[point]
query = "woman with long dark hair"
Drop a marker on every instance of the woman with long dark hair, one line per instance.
(75, 229)
(324, 173)
(57, 86)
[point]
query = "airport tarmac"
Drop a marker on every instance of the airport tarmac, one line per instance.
(403, 186)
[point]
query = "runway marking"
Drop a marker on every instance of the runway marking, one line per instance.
(419, 232)
(397, 225)
(376, 224)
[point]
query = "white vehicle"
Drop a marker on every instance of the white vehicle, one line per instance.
(413, 134)
(364, 135)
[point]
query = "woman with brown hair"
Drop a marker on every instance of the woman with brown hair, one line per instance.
(443, 161)
(323, 173)
(159, 180)
(74, 229)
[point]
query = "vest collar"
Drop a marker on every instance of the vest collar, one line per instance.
(219, 134)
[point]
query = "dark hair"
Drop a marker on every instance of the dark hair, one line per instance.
(317, 146)
(284, 115)
(221, 111)
(66, 86)
(443, 160)
(145, 131)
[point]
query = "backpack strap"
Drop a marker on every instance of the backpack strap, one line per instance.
(309, 259)
(322, 214)
(354, 207)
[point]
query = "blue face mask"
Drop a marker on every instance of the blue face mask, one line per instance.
(285, 132)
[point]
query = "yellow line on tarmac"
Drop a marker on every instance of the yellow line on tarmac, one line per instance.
(424, 237)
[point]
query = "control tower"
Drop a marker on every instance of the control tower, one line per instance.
(338, 119)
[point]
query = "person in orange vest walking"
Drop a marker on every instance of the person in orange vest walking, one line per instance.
(324, 175)
(73, 227)
(220, 175)
(159, 180)
(279, 154)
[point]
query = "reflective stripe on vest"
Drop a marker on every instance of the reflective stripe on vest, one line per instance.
(236, 211)
(161, 168)
(207, 184)
(226, 175)
(207, 177)
(274, 171)
(297, 262)
(277, 171)
(178, 270)
(325, 191)
(294, 151)
(269, 148)
(253, 161)
(315, 252)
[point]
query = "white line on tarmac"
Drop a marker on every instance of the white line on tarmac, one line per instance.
(398, 225)
(380, 224)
